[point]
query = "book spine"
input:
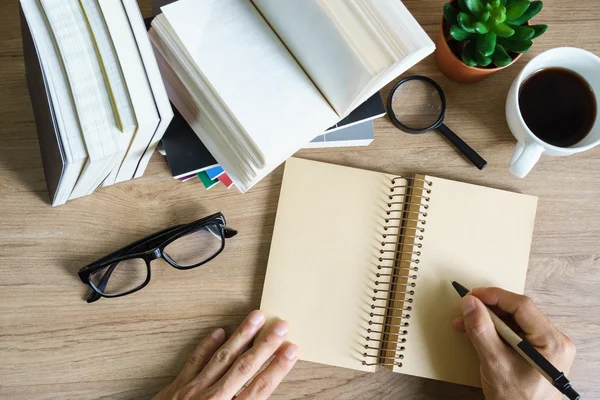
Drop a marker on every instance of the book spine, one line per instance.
(397, 271)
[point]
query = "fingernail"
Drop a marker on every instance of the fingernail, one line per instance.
(218, 334)
(467, 304)
(290, 352)
(256, 318)
(281, 328)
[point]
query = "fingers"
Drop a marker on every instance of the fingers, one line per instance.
(539, 330)
(250, 362)
(459, 324)
(480, 329)
(200, 356)
(228, 353)
(265, 383)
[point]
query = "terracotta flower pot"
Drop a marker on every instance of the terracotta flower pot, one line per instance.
(454, 68)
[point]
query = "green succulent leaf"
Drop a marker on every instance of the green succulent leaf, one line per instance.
(475, 6)
(489, 7)
(486, 44)
(539, 30)
(516, 9)
(504, 31)
(531, 12)
(450, 14)
(485, 17)
(468, 54)
(500, 17)
(459, 34)
(522, 32)
(501, 57)
(466, 22)
(482, 60)
(495, 3)
(517, 46)
(463, 7)
(481, 28)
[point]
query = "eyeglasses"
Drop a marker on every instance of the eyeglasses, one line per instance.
(183, 246)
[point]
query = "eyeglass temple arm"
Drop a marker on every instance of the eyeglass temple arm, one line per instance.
(229, 233)
(102, 284)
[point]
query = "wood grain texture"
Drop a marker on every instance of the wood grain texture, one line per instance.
(54, 345)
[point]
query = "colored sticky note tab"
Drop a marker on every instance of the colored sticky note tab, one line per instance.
(226, 180)
(187, 178)
(214, 172)
(206, 181)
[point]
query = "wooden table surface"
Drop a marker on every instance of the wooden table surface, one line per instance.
(54, 345)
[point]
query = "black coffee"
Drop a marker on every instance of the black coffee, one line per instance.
(558, 106)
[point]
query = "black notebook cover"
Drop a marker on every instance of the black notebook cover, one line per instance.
(185, 152)
(53, 158)
(370, 109)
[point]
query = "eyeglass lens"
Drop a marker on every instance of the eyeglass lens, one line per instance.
(417, 104)
(121, 277)
(195, 247)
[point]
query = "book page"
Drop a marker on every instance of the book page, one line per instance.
(476, 236)
(323, 261)
(252, 72)
(319, 47)
(383, 34)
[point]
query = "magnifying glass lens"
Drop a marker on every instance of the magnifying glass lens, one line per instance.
(417, 104)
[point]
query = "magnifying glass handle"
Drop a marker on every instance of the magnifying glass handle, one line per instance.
(463, 147)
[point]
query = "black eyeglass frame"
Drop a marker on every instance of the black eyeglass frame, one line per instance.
(150, 248)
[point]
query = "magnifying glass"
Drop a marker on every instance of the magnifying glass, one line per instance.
(417, 105)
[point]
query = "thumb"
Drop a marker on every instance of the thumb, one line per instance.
(480, 329)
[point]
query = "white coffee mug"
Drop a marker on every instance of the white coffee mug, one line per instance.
(530, 147)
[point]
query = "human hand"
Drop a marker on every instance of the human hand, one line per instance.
(217, 370)
(505, 375)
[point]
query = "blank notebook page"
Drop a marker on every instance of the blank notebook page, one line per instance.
(323, 259)
(479, 237)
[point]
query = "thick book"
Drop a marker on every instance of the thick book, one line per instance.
(299, 67)
(95, 86)
(361, 264)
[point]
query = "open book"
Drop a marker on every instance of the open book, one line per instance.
(361, 265)
(258, 80)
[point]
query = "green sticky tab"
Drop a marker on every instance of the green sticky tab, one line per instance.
(206, 181)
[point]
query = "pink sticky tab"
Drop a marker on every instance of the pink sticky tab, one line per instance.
(225, 180)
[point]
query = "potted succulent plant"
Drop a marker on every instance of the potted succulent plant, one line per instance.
(480, 37)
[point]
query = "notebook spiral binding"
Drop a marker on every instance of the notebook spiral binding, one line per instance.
(387, 282)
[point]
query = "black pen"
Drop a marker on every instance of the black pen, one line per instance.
(528, 352)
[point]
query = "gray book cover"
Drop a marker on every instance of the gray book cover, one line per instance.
(361, 134)
(51, 147)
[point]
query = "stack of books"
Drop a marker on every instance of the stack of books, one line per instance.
(189, 159)
(258, 80)
(98, 97)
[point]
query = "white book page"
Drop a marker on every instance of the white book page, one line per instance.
(154, 78)
(116, 83)
(140, 90)
(253, 73)
(320, 48)
(384, 35)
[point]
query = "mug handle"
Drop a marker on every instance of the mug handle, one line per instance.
(524, 158)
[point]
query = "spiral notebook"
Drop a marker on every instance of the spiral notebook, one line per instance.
(361, 264)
